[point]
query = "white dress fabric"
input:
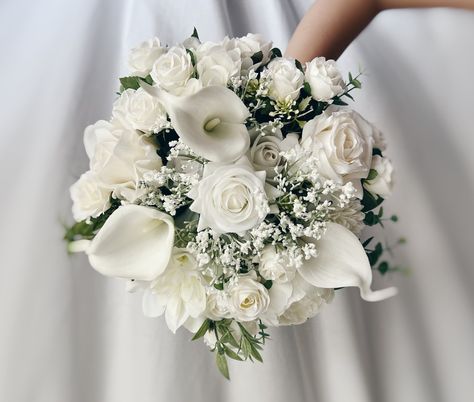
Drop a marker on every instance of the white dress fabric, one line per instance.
(69, 335)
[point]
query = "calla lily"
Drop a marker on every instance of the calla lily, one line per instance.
(342, 262)
(134, 243)
(210, 121)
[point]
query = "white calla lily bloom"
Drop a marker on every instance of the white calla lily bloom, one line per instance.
(134, 243)
(342, 262)
(210, 121)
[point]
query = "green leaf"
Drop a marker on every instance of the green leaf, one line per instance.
(195, 33)
(299, 66)
(202, 330)
(245, 347)
(394, 218)
(369, 201)
(375, 255)
(229, 338)
(380, 214)
(350, 77)
(372, 174)
(88, 229)
(257, 57)
(356, 83)
(383, 267)
(192, 56)
(275, 52)
(221, 362)
(229, 352)
(376, 151)
(219, 286)
(371, 219)
(367, 242)
(255, 354)
(130, 82)
(307, 88)
(349, 95)
(148, 79)
(338, 101)
(268, 284)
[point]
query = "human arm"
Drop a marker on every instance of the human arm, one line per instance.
(330, 26)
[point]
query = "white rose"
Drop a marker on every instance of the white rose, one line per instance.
(89, 197)
(382, 184)
(142, 57)
(230, 198)
(216, 65)
(248, 298)
(307, 307)
(217, 305)
(248, 46)
(119, 158)
(285, 80)
(324, 78)
(172, 70)
(138, 110)
(178, 291)
(275, 266)
(341, 141)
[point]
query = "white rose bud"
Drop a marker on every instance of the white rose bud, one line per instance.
(382, 184)
(216, 65)
(138, 110)
(248, 46)
(324, 78)
(286, 80)
(264, 154)
(274, 266)
(248, 298)
(342, 142)
(172, 70)
(142, 57)
(89, 197)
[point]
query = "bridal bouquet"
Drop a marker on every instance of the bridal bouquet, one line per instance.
(230, 187)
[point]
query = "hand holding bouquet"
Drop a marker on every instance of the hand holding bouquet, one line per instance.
(230, 187)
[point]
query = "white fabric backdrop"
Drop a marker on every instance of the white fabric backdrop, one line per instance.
(67, 334)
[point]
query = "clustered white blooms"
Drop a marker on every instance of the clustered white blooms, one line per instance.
(230, 186)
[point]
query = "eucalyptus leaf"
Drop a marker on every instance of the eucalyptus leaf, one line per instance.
(202, 330)
(221, 362)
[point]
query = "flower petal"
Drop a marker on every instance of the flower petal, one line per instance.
(342, 262)
(134, 243)
(175, 314)
(151, 304)
(226, 139)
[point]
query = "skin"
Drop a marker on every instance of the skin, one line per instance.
(330, 26)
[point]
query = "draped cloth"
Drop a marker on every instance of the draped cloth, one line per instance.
(68, 334)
